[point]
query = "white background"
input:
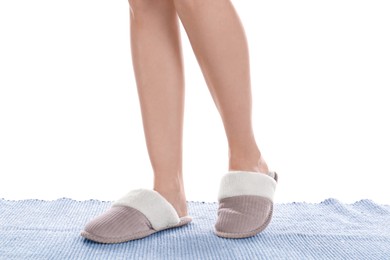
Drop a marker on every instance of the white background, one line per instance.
(70, 121)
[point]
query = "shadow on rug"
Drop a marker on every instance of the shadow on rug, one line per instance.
(37, 229)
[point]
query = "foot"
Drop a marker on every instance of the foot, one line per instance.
(245, 204)
(131, 217)
(176, 197)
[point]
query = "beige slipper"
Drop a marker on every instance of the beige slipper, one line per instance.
(136, 215)
(245, 203)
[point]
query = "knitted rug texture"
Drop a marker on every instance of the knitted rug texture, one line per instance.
(38, 229)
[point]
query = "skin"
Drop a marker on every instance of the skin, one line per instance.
(219, 43)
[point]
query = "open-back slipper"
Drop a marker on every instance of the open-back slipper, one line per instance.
(245, 203)
(137, 214)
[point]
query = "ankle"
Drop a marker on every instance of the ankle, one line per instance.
(168, 182)
(248, 161)
(166, 189)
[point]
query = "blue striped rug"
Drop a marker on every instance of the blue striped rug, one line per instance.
(37, 229)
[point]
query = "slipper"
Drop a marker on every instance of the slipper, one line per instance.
(245, 203)
(137, 214)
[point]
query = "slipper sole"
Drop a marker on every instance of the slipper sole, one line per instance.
(106, 240)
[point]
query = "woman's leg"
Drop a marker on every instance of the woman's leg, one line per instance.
(158, 68)
(220, 46)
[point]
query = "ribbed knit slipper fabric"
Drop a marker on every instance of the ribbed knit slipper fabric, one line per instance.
(136, 215)
(245, 203)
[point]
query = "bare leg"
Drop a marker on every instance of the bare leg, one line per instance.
(158, 68)
(220, 46)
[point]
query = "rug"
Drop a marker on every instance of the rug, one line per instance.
(38, 229)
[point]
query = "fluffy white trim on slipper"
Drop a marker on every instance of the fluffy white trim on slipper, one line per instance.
(155, 207)
(236, 183)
